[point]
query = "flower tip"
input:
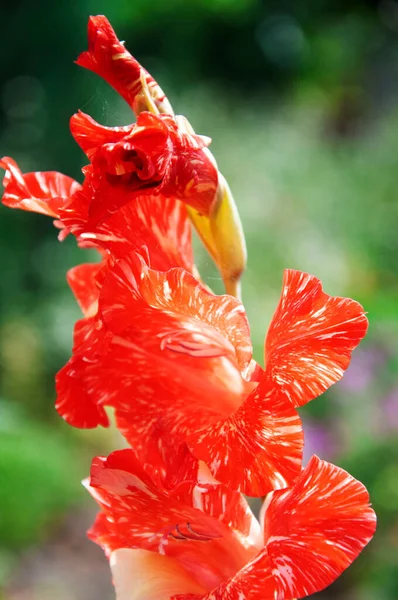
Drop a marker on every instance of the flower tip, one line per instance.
(98, 23)
(96, 26)
(96, 19)
(77, 121)
(6, 162)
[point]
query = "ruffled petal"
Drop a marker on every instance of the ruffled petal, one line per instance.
(90, 135)
(142, 575)
(137, 156)
(108, 58)
(84, 284)
(184, 316)
(313, 532)
(258, 448)
(74, 403)
(96, 201)
(161, 224)
(41, 192)
(311, 337)
(153, 391)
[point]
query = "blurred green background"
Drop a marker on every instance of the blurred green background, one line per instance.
(301, 100)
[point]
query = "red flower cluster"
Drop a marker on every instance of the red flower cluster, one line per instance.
(204, 422)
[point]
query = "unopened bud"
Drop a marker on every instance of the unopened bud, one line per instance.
(222, 234)
(228, 238)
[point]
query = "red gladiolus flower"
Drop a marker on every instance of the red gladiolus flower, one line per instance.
(152, 156)
(177, 359)
(197, 539)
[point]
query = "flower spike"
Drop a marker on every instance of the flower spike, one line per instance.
(204, 422)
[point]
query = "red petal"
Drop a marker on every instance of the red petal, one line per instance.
(177, 346)
(118, 151)
(311, 337)
(155, 390)
(41, 192)
(97, 193)
(90, 135)
(257, 449)
(82, 280)
(159, 223)
(193, 175)
(194, 180)
(178, 475)
(108, 58)
(152, 390)
(313, 532)
(74, 403)
(180, 311)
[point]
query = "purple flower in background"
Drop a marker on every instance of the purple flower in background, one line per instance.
(390, 410)
(319, 439)
(363, 369)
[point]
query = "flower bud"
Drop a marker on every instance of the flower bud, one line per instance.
(222, 234)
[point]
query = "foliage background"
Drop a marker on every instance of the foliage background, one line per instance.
(301, 100)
